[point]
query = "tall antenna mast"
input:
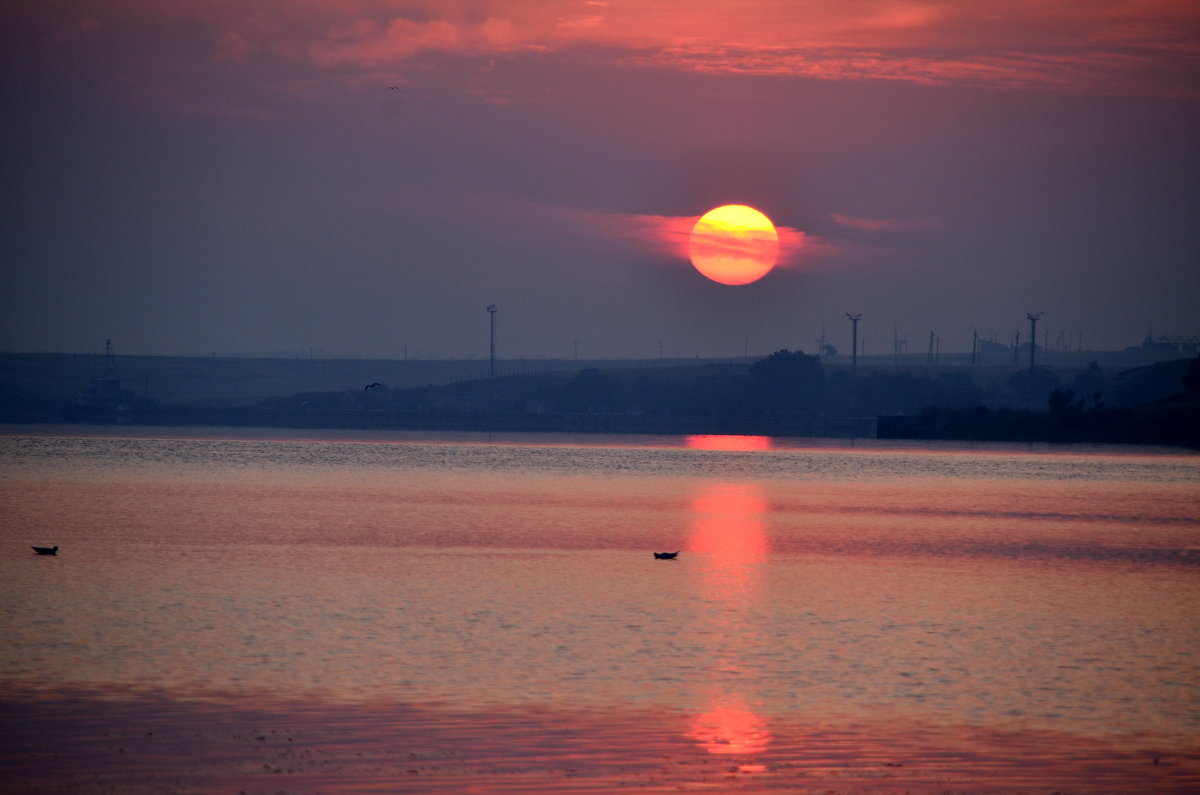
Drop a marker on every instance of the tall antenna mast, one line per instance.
(492, 354)
(854, 342)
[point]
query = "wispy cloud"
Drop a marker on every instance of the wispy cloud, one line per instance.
(669, 235)
(886, 224)
(1131, 47)
(367, 42)
(1144, 47)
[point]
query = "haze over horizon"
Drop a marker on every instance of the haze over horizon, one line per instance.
(364, 178)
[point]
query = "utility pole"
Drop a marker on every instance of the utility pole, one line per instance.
(492, 356)
(854, 343)
(1033, 319)
(110, 361)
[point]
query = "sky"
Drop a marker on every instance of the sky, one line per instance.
(362, 179)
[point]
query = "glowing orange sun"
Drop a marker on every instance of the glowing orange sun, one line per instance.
(734, 244)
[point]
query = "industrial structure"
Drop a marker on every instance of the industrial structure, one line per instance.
(492, 355)
(854, 342)
(1033, 319)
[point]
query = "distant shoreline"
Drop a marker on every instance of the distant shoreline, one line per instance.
(1027, 427)
(814, 424)
(663, 398)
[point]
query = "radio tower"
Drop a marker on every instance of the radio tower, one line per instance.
(492, 353)
(1033, 319)
(854, 342)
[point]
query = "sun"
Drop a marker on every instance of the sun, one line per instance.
(734, 244)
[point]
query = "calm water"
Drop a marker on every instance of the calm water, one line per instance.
(954, 586)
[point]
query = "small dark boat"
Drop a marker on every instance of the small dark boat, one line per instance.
(665, 555)
(46, 550)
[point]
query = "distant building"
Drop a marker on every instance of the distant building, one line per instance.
(1170, 344)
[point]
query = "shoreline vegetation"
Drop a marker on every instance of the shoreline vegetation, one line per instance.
(785, 394)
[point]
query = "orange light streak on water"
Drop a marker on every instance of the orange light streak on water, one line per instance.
(732, 443)
(728, 535)
(730, 728)
(728, 528)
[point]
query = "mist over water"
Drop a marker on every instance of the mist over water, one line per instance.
(998, 588)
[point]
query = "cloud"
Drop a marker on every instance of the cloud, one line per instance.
(580, 23)
(664, 234)
(668, 236)
(1069, 70)
(365, 42)
(1133, 47)
(79, 29)
(234, 48)
(887, 224)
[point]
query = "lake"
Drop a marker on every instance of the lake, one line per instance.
(338, 611)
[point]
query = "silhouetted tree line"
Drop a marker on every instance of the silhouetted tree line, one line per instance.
(779, 385)
(787, 389)
(786, 383)
(1077, 411)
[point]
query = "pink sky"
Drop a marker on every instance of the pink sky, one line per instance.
(1138, 47)
(996, 157)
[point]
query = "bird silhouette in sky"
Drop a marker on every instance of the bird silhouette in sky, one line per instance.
(665, 555)
(375, 384)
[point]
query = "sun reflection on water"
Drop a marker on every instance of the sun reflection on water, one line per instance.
(728, 532)
(732, 443)
(729, 728)
(729, 536)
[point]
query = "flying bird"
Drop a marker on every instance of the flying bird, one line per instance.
(46, 550)
(665, 555)
(369, 386)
